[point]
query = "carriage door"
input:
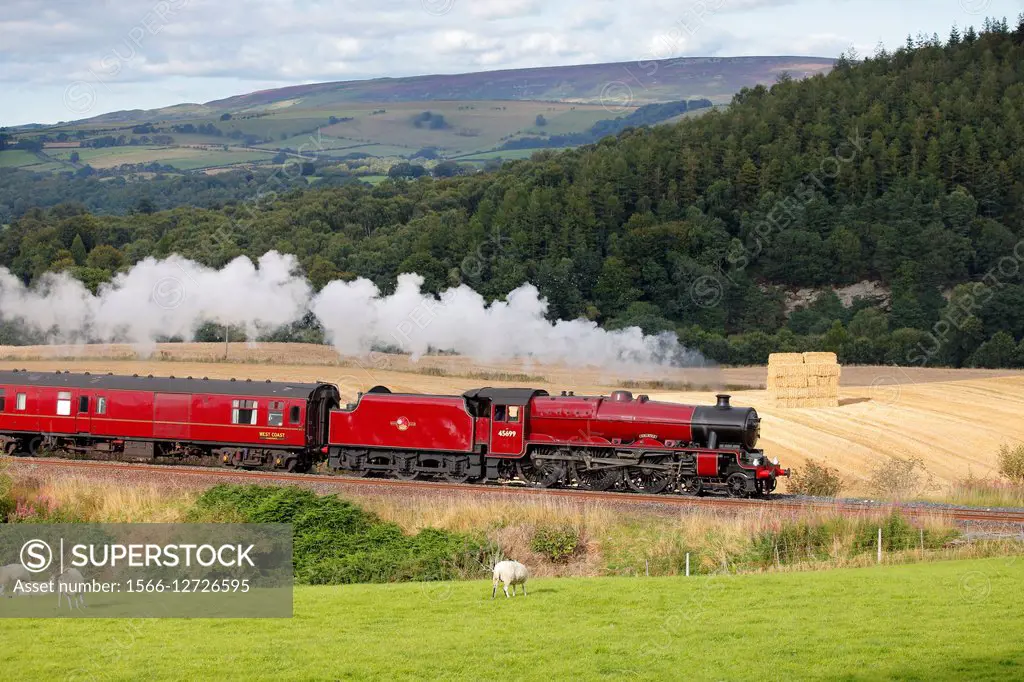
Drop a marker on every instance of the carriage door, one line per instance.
(507, 429)
(83, 418)
(171, 412)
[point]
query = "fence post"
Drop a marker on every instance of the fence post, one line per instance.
(879, 545)
(922, 542)
(647, 568)
(687, 564)
(778, 564)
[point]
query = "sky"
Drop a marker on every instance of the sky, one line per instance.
(71, 59)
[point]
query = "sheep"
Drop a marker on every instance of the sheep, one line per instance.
(11, 574)
(510, 573)
(73, 580)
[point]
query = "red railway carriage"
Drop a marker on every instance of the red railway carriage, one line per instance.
(242, 422)
(593, 442)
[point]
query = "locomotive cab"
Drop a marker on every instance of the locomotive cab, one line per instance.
(507, 409)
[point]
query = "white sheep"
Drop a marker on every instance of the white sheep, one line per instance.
(72, 579)
(11, 574)
(509, 573)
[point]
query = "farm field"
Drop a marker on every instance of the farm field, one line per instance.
(19, 158)
(470, 126)
(382, 130)
(507, 154)
(954, 420)
(949, 620)
(184, 158)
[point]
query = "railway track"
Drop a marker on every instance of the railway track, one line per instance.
(782, 504)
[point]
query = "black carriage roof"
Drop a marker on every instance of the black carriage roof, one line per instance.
(116, 382)
(504, 396)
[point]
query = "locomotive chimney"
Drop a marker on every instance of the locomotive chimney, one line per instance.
(723, 401)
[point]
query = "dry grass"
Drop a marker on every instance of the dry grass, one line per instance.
(982, 492)
(616, 541)
(93, 501)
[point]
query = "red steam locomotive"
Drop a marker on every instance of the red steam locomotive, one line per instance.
(488, 434)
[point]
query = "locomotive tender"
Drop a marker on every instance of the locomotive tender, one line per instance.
(488, 434)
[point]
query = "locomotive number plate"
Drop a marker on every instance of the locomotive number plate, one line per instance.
(506, 433)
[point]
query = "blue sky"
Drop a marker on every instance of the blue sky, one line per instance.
(69, 59)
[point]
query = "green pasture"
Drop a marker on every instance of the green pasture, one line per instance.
(952, 620)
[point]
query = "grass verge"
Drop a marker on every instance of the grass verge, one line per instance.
(949, 620)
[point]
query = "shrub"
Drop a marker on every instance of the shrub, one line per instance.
(899, 535)
(816, 479)
(900, 478)
(558, 544)
(336, 541)
(1011, 462)
(795, 541)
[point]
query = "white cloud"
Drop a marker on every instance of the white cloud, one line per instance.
(503, 9)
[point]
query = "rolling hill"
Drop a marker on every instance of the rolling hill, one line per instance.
(617, 85)
(470, 116)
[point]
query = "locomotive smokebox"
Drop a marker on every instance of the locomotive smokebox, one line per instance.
(724, 424)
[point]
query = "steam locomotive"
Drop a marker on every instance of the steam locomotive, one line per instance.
(616, 442)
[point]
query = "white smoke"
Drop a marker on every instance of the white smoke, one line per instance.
(159, 298)
(174, 297)
(356, 316)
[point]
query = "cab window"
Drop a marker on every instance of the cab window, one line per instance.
(499, 413)
(513, 413)
(3, 399)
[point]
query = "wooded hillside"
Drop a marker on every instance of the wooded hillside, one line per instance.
(906, 167)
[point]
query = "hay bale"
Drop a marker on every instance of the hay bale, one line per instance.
(783, 359)
(792, 381)
(820, 369)
(823, 358)
(803, 380)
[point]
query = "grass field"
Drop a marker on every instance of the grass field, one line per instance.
(184, 158)
(952, 620)
(471, 126)
(506, 154)
(19, 158)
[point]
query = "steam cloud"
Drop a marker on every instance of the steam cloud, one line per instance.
(174, 297)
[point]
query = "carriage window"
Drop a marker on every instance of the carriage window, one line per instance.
(499, 413)
(295, 415)
(83, 403)
(513, 413)
(101, 405)
(275, 415)
(3, 400)
(243, 411)
(20, 401)
(64, 403)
